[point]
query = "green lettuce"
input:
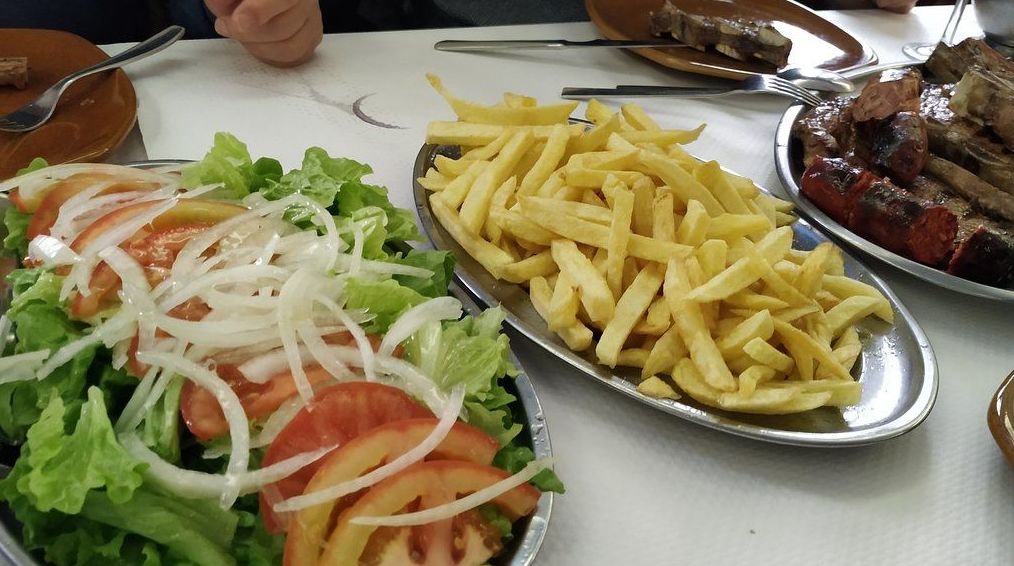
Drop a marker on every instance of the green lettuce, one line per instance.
(33, 165)
(386, 300)
(471, 352)
(513, 458)
(161, 430)
(441, 263)
(229, 162)
(16, 241)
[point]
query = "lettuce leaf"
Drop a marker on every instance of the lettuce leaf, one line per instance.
(229, 162)
(64, 468)
(386, 300)
(441, 263)
(33, 165)
(512, 458)
(41, 323)
(16, 241)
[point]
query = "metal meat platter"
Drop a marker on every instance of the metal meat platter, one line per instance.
(789, 164)
(528, 533)
(897, 367)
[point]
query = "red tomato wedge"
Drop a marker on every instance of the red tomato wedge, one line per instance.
(433, 482)
(49, 209)
(334, 416)
(186, 211)
(308, 527)
(204, 416)
(36, 201)
(156, 253)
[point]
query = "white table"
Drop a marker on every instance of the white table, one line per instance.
(644, 487)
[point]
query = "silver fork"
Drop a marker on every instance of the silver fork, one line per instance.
(38, 111)
(755, 83)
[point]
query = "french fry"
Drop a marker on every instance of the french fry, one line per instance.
(597, 113)
(596, 214)
(683, 185)
(638, 118)
(564, 304)
(662, 137)
(475, 208)
(734, 226)
(850, 311)
(633, 357)
(692, 382)
(655, 388)
(552, 153)
(843, 288)
(488, 151)
(795, 338)
(760, 325)
(693, 230)
(596, 138)
(595, 294)
(619, 238)
(489, 256)
(710, 175)
(577, 337)
(663, 218)
(753, 375)
(519, 226)
(665, 353)
(690, 320)
(630, 307)
(538, 265)
(730, 281)
(476, 113)
(644, 195)
(498, 205)
(519, 100)
(455, 191)
(594, 178)
(766, 354)
(656, 321)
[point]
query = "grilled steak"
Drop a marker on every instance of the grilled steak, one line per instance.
(738, 38)
(825, 130)
(903, 223)
(14, 71)
(949, 63)
(895, 147)
(986, 99)
(895, 90)
(986, 256)
(963, 142)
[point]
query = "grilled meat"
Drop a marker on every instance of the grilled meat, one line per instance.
(825, 130)
(963, 142)
(738, 38)
(986, 99)
(986, 256)
(895, 90)
(14, 71)
(949, 63)
(903, 223)
(894, 147)
(834, 184)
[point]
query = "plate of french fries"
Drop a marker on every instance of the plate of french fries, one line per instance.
(668, 278)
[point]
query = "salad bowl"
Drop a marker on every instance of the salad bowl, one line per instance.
(528, 532)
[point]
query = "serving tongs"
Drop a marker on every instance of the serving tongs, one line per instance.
(500, 44)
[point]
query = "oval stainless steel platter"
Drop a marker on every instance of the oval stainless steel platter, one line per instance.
(789, 164)
(529, 534)
(897, 368)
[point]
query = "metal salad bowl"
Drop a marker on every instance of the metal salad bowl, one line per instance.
(528, 532)
(897, 367)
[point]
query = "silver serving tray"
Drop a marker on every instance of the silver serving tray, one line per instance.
(897, 368)
(529, 534)
(789, 164)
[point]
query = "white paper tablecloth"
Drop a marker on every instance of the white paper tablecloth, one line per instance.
(644, 487)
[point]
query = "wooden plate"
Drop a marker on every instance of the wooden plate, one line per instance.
(93, 116)
(1000, 418)
(816, 42)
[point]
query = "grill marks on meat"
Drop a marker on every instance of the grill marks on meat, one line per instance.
(741, 39)
(903, 223)
(949, 63)
(825, 130)
(881, 212)
(896, 147)
(893, 91)
(963, 142)
(987, 256)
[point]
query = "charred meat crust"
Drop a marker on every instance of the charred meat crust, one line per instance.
(949, 63)
(986, 256)
(14, 71)
(739, 38)
(896, 147)
(893, 91)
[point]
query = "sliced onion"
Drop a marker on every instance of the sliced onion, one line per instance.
(81, 272)
(130, 417)
(239, 425)
(471, 501)
(293, 305)
(433, 310)
(156, 391)
(448, 417)
(191, 484)
(365, 347)
(233, 275)
(201, 190)
(110, 332)
(311, 337)
(21, 367)
(30, 183)
(51, 251)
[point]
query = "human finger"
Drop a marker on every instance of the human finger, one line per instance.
(281, 27)
(292, 51)
(221, 8)
(250, 14)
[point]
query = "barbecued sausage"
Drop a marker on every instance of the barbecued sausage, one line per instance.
(833, 184)
(895, 147)
(986, 256)
(903, 223)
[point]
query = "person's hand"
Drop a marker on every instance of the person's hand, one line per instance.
(283, 33)
(900, 6)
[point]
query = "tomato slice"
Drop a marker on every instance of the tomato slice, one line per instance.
(155, 252)
(308, 527)
(334, 416)
(49, 209)
(436, 481)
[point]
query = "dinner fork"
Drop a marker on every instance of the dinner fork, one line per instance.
(755, 83)
(38, 111)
